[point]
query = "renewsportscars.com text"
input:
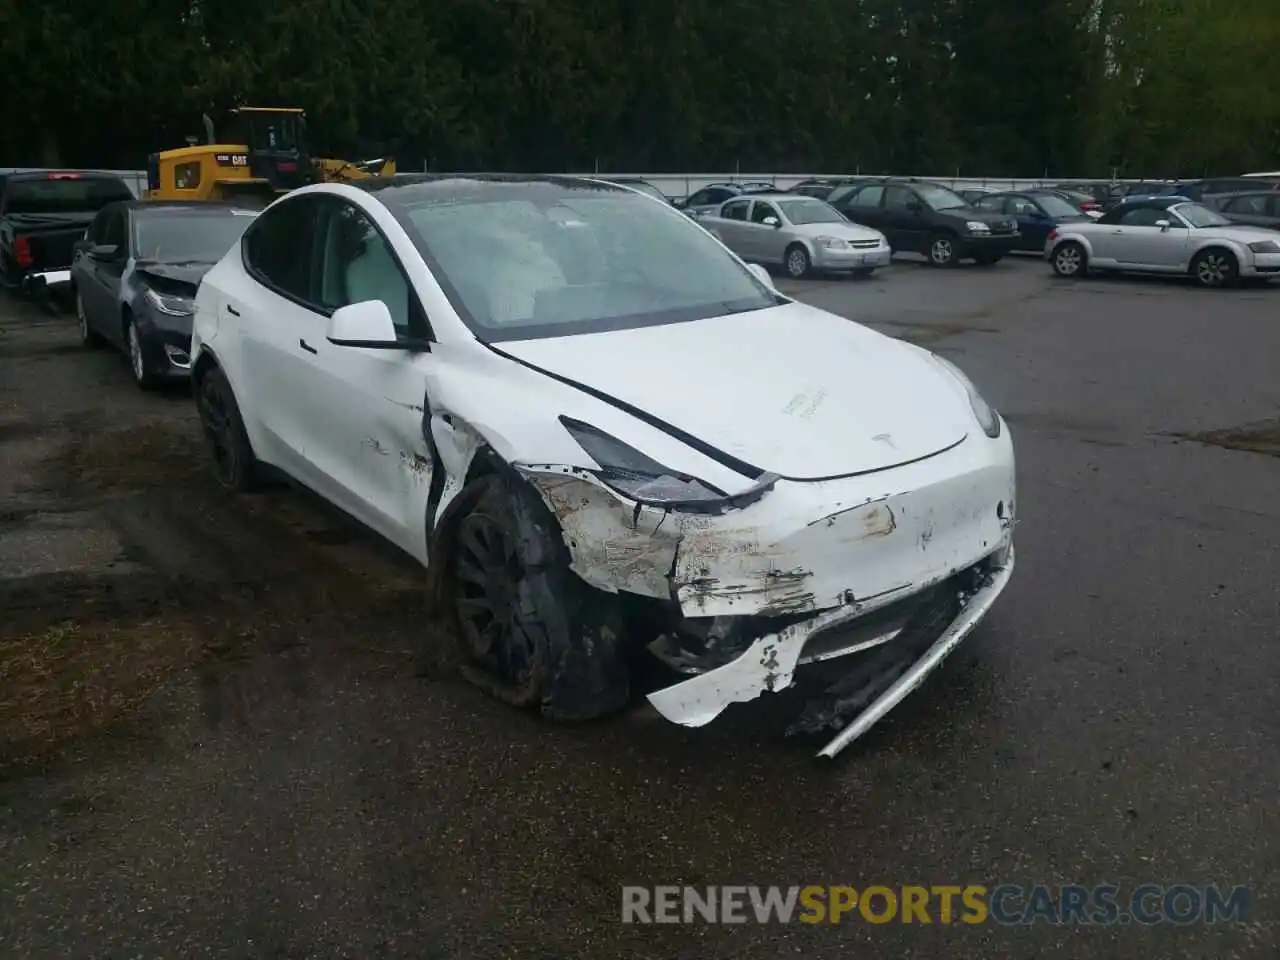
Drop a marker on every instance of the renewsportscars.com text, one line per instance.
(1005, 904)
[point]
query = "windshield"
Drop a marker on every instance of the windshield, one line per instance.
(1055, 206)
(189, 238)
(64, 194)
(536, 259)
(1199, 216)
(809, 210)
(940, 198)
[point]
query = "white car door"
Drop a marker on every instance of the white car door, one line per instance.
(760, 238)
(276, 333)
(1136, 241)
(364, 418)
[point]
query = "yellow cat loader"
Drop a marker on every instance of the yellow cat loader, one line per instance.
(254, 156)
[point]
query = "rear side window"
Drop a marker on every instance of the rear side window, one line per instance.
(63, 194)
(1255, 205)
(277, 248)
(867, 197)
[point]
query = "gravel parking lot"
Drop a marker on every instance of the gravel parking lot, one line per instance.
(213, 743)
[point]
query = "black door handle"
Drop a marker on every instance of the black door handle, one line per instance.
(306, 346)
(233, 311)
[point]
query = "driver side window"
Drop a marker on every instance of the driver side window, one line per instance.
(761, 209)
(735, 210)
(1145, 217)
(357, 264)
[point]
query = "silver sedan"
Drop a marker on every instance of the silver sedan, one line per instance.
(798, 233)
(1169, 235)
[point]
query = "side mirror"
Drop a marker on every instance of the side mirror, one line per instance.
(103, 251)
(762, 275)
(365, 324)
(771, 222)
(1164, 225)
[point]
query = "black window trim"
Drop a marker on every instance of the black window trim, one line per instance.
(417, 312)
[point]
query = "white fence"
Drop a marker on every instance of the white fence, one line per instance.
(683, 184)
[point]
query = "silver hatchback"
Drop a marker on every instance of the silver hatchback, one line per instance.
(798, 233)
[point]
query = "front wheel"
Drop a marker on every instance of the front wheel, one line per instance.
(798, 263)
(137, 357)
(943, 251)
(87, 337)
(234, 464)
(531, 632)
(1069, 260)
(1215, 268)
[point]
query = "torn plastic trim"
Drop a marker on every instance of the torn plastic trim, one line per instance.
(974, 609)
(769, 664)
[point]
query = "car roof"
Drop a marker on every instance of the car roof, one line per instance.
(773, 195)
(452, 185)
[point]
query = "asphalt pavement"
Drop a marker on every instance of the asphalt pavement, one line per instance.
(213, 743)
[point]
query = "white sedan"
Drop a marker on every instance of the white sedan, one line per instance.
(605, 436)
(1170, 235)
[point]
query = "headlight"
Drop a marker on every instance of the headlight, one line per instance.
(974, 226)
(1265, 246)
(633, 473)
(171, 304)
(831, 243)
(987, 418)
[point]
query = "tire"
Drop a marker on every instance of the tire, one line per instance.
(530, 632)
(943, 250)
(87, 337)
(797, 262)
(137, 355)
(234, 464)
(1215, 267)
(1069, 260)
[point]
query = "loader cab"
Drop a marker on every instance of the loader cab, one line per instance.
(276, 141)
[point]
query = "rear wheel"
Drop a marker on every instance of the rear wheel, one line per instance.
(530, 631)
(1215, 267)
(234, 464)
(1069, 260)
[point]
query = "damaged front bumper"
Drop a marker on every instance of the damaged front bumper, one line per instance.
(917, 633)
(907, 559)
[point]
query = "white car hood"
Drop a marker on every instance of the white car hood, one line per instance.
(844, 231)
(791, 389)
(1240, 233)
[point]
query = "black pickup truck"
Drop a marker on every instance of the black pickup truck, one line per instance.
(42, 215)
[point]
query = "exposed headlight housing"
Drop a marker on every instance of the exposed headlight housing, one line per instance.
(1265, 246)
(977, 226)
(641, 478)
(983, 412)
(831, 243)
(171, 304)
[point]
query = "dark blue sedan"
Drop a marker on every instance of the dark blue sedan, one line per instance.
(135, 273)
(1038, 212)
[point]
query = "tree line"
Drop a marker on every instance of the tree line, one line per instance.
(936, 87)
